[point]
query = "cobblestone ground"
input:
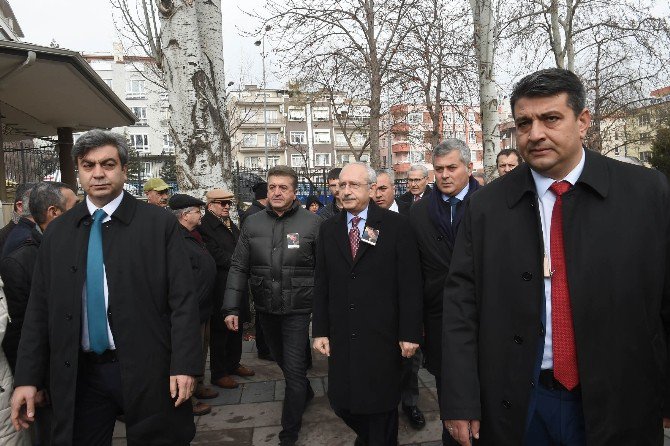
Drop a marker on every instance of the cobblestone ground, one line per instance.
(251, 414)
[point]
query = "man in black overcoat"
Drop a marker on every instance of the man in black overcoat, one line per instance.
(417, 184)
(435, 221)
(557, 303)
(127, 340)
(363, 321)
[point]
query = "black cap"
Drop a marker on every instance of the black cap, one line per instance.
(260, 190)
(181, 201)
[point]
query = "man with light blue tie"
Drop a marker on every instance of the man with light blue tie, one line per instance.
(112, 320)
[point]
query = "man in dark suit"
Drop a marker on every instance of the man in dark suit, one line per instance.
(384, 196)
(112, 319)
(366, 324)
(556, 332)
(16, 212)
(435, 222)
(417, 184)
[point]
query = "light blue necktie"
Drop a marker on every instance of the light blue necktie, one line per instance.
(453, 201)
(95, 291)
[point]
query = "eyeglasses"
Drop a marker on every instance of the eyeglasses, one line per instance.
(415, 180)
(224, 203)
(352, 186)
(194, 211)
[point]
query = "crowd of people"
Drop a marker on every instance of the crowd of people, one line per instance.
(540, 301)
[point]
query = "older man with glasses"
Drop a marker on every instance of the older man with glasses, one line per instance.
(220, 235)
(417, 184)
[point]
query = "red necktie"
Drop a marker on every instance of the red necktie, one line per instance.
(417, 197)
(354, 236)
(562, 330)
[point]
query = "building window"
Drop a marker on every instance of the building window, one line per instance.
(415, 118)
(168, 144)
(273, 139)
(135, 89)
(645, 156)
(139, 142)
(297, 138)
(146, 170)
(141, 113)
(345, 158)
(320, 113)
(252, 162)
(109, 83)
(273, 161)
(472, 137)
(249, 140)
(645, 136)
(365, 158)
(321, 136)
(296, 113)
(322, 159)
(643, 119)
(297, 160)
(272, 116)
(340, 140)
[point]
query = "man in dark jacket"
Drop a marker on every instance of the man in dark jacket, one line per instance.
(334, 206)
(16, 213)
(557, 302)
(366, 323)
(188, 211)
(24, 226)
(112, 318)
(417, 184)
(435, 221)
(275, 256)
(260, 191)
(220, 235)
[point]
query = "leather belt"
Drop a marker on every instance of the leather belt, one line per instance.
(548, 381)
(104, 358)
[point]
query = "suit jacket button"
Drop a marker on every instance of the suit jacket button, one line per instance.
(542, 332)
(353, 335)
(73, 269)
(518, 340)
(527, 276)
(439, 238)
(353, 276)
(68, 317)
(532, 383)
(351, 306)
(506, 404)
(67, 364)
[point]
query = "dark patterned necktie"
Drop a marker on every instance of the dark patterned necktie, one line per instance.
(562, 330)
(354, 236)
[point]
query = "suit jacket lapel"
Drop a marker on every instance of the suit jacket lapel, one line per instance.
(374, 220)
(342, 236)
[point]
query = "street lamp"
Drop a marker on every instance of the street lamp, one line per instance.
(261, 43)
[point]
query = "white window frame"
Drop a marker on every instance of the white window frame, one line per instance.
(146, 169)
(273, 139)
(326, 159)
(297, 160)
(320, 136)
(141, 113)
(273, 161)
(415, 118)
(109, 82)
(249, 139)
(253, 162)
(136, 89)
(365, 158)
(321, 113)
(168, 144)
(301, 134)
(340, 140)
(143, 140)
(345, 158)
(296, 114)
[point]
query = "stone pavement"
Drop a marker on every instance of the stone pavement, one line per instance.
(251, 414)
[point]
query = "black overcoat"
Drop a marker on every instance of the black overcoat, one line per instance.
(153, 315)
(435, 249)
(616, 236)
(365, 306)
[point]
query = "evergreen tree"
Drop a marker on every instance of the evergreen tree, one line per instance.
(660, 151)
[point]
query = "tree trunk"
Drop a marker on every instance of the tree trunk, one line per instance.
(488, 99)
(375, 85)
(192, 48)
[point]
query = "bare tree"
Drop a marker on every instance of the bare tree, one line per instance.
(363, 34)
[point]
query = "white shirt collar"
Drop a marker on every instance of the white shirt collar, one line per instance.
(394, 206)
(109, 208)
(461, 195)
(543, 183)
(363, 214)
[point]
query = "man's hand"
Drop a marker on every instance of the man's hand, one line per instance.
(407, 349)
(23, 407)
(463, 430)
(232, 322)
(181, 387)
(322, 345)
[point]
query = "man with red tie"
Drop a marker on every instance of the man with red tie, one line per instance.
(557, 332)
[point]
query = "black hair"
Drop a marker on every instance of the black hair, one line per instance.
(551, 82)
(98, 138)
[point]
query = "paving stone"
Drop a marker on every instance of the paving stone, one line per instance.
(249, 346)
(240, 416)
(280, 387)
(319, 411)
(333, 433)
(258, 392)
(227, 437)
(317, 386)
(226, 396)
(266, 436)
(432, 443)
(426, 378)
(431, 432)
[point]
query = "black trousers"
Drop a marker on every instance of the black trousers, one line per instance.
(225, 347)
(379, 429)
(261, 345)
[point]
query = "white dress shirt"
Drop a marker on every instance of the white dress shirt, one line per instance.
(109, 209)
(361, 224)
(546, 200)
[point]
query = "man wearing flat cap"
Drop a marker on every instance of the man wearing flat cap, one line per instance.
(157, 192)
(188, 211)
(220, 235)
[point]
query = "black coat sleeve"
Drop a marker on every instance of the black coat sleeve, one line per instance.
(460, 327)
(17, 290)
(408, 274)
(320, 300)
(238, 276)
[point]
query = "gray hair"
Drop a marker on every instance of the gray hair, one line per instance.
(372, 175)
(388, 172)
(25, 198)
(418, 168)
(449, 145)
(42, 196)
(98, 138)
(179, 212)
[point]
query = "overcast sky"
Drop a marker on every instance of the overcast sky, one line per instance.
(87, 26)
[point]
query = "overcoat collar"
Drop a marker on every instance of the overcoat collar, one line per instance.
(124, 213)
(595, 175)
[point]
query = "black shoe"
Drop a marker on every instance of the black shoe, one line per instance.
(415, 416)
(266, 356)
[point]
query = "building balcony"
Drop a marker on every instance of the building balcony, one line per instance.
(400, 147)
(400, 127)
(401, 167)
